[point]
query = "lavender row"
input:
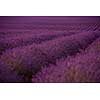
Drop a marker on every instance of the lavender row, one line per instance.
(84, 67)
(28, 60)
(18, 40)
(52, 26)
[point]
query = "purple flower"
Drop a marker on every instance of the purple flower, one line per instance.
(84, 67)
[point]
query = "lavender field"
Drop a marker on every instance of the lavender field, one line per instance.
(49, 49)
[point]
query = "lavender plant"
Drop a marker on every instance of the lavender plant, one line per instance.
(28, 60)
(17, 40)
(84, 67)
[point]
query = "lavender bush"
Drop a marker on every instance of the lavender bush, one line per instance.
(29, 59)
(18, 40)
(84, 67)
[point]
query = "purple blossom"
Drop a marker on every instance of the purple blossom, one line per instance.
(84, 67)
(29, 59)
(49, 49)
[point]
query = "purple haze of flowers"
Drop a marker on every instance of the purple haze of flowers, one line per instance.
(84, 67)
(18, 40)
(29, 59)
